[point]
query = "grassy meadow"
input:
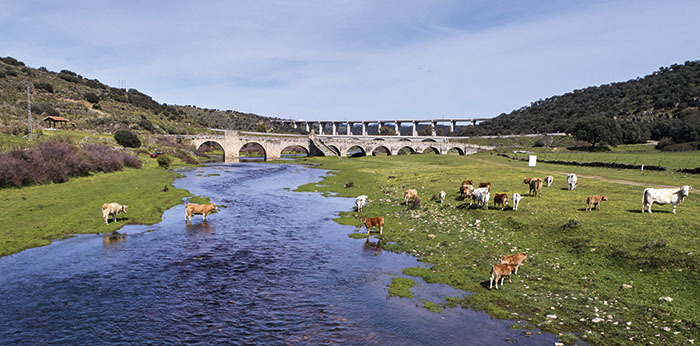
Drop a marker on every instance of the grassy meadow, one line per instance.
(591, 276)
(35, 215)
(650, 156)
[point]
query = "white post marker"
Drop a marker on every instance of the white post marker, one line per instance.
(533, 162)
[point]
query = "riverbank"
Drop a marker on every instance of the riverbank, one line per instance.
(36, 215)
(597, 278)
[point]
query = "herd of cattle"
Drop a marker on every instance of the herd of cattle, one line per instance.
(481, 195)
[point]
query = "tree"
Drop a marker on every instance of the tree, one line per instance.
(127, 138)
(597, 130)
(427, 131)
(387, 131)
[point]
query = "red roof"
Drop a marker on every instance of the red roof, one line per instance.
(55, 118)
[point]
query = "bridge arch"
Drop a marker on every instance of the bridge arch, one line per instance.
(249, 148)
(456, 150)
(406, 151)
(295, 150)
(429, 140)
(206, 145)
(431, 150)
(334, 149)
(381, 149)
(356, 151)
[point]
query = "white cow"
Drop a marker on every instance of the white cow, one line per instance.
(443, 194)
(482, 196)
(114, 209)
(548, 180)
(571, 180)
(664, 196)
(516, 200)
(360, 202)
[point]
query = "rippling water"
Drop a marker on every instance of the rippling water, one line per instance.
(270, 268)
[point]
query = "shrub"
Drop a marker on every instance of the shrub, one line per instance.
(164, 161)
(131, 160)
(44, 86)
(92, 97)
(690, 146)
(147, 125)
(127, 139)
(663, 142)
(69, 76)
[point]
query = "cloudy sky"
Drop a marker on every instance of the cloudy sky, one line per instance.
(353, 59)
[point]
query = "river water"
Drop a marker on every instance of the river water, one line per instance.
(270, 268)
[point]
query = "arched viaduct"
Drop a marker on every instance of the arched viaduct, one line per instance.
(273, 144)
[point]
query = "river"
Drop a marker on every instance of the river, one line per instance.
(271, 267)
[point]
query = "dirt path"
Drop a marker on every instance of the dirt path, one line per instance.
(597, 177)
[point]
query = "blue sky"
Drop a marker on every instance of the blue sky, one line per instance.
(353, 59)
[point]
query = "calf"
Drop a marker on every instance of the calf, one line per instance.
(114, 209)
(571, 181)
(370, 222)
(196, 209)
(526, 181)
(409, 195)
(443, 194)
(360, 202)
(514, 259)
(500, 271)
(594, 201)
(486, 185)
(516, 200)
(500, 198)
(481, 196)
(548, 180)
(664, 196)
(535, 187)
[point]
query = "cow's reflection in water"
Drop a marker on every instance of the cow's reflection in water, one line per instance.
(373, 245)
(199, 227)
(110, 238)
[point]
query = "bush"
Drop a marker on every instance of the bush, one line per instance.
(44, 86)
(690, 146)
(164, 161)
(127, 139)
(663, 142)
(147, 125)
(11, 61)
(92, 97)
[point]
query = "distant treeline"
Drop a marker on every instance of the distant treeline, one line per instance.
(664, 104)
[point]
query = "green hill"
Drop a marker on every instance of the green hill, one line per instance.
(665, 103)
(95, 106)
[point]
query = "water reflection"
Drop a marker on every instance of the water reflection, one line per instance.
(111, 238)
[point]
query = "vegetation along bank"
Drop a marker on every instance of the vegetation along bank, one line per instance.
(614, 276)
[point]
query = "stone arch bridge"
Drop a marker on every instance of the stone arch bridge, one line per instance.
(273, 144)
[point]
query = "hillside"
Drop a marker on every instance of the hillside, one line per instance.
(652, 105)
(95, 106)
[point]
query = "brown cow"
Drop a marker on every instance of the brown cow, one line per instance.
(488, 185)
(595, 201)
(500, 198)
(466, 189)
(526, 181)
(514, 259)
(535, 187)
(373, 221)
(500, 271)
(198, 209)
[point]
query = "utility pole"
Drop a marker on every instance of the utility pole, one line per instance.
(29, 110)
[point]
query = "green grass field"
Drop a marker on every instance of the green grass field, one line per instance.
(636, 155)
(35, 215)
(572, 282)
